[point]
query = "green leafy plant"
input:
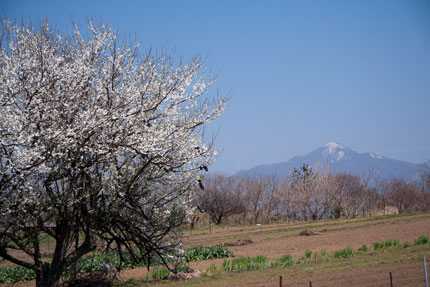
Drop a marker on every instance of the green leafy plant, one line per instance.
(286, 260)
(388, 243)
(364, 248)
(405, 244)
(246, 263)
(182, 267)
(422, 240)
(308, 254)
(212, 269)
(13, 274)
(204, 253)
(378, 245)
(159, 273)
(344, 253)
(323, 253)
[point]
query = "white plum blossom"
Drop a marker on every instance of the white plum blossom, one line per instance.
(96, 139)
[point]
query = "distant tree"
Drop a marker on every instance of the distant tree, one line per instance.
(303, 184)
(403, 195)
(351, 195)
(220, 197)
(97, 144)
(423, 185)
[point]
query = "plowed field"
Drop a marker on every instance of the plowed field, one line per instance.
(370, 268)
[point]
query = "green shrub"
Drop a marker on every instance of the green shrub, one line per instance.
(364, 248)
(422, 240)
(308, 254)
(204, 253)
(344, 253)
(405, 244)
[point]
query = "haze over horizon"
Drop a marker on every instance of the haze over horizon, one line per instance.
(300, 73)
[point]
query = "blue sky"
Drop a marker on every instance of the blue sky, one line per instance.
(300, 73)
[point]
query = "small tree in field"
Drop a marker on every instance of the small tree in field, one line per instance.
(220, 198)
(99, 146)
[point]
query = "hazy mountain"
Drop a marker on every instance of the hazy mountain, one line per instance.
(338, 158)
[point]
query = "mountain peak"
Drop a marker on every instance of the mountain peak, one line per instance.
(339, 158)
(332, 147)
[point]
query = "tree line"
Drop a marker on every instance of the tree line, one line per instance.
(307, 194)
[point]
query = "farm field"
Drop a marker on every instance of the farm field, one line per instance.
(369, 268)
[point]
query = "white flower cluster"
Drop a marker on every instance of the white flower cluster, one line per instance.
(88, 122)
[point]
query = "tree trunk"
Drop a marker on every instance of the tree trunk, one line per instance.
(48, 277)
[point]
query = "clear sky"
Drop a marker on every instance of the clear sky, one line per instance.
(300, 73)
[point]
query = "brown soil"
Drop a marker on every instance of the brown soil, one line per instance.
(275, 240)
(271, 242)
(406, 275)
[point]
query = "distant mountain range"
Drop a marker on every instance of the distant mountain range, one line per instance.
(338, 158)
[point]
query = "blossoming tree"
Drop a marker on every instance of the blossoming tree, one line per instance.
(99, 146)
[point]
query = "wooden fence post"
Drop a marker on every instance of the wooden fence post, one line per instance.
(280, 281)
(391, 280)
